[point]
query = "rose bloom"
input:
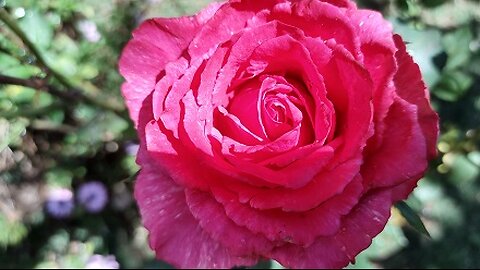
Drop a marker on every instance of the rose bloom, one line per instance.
(273, 129)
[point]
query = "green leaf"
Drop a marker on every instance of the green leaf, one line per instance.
(412, 217)
(11, 132)
(456, 46)
(12, 231)
(453, 86)
(38, 29)
(7, 61)
(59, 177)
(451, 14)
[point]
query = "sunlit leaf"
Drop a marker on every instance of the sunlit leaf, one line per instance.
(37, 28)
(456, 46)
(452, 86)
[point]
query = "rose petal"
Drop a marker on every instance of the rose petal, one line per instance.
(394, 162)
(230, 19)
(410, 87)
(211, 217)
(175, 235)
(155, 43)
(350, 88)
(320, 19)
(363, 223)
(323, 186)
(300, 228)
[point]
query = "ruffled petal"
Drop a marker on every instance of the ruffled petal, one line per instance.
(155, 43)
(300, 228)
(364, 222)
(402, 154)
(410, 86)
(174, 234)
(212, 218)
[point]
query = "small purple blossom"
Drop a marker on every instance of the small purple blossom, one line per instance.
(93, 196)
(102, 262)
(60, 203)
(89, 31)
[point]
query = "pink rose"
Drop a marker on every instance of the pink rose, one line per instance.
(273, 129)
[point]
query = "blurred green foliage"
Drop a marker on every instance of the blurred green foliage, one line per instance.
(47, 143)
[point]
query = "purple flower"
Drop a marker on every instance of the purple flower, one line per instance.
(93, 196)
(102, 262)
(89, 31)
(60, 202)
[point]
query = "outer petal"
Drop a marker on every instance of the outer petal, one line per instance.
(410, 86)
(175, 234)
(358, 228)
(212, 218)
(155, 43)
(403, 151)
(229, 20)
(320, 19)
(300, 228)
(378, 48)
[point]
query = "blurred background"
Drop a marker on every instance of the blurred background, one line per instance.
(67, 147)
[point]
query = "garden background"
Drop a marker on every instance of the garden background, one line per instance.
(63, 125)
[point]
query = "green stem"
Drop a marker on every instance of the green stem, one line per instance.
(12, 24)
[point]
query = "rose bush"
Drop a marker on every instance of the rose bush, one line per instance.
(273, 129)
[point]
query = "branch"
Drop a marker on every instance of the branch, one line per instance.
(39, 84)
(12, 24)
(31, 112)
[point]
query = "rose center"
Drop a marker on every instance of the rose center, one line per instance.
(275, 110)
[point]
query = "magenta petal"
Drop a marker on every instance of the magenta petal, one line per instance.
(155, 43)
(350, 88)
(358, 228)
(300, 228)
(230, 19)
(342, 3)
(320, 19)
(212, 218)
(395, 162)
(233, 128)
(140, 65)
(175, 235)
(410, 86)
(321, 188)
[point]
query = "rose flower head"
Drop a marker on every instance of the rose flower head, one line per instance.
(273, 129)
